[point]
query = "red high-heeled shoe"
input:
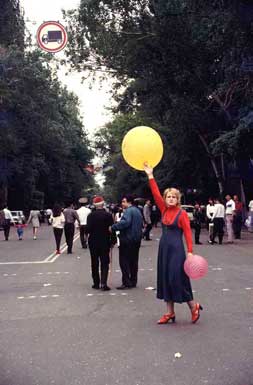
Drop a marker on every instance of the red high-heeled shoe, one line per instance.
(166, 318)
(196, 312)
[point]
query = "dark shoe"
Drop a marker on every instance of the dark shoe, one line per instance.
(105, 288)
(198, 243)
(123, 287)
(95, 287)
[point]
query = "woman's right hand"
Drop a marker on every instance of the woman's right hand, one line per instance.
(148, 170)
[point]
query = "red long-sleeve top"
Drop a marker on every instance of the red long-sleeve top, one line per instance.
(170, 213)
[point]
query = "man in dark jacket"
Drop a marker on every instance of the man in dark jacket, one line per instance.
(130, 228)
(69, 228)
(100, 241)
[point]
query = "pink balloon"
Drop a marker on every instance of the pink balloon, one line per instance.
(196, 267)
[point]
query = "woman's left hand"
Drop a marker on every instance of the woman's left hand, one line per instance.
(189, 255)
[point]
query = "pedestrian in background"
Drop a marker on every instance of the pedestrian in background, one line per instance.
(100, 242)
(49, 213)
(57, 220)
(34, 218)
(230, 212)
(130, 228)
(209, 215)
(147, 220)
(69, 227)
(198, 216)
(250, 217)
(83, 213)
(154, 215)
(20, 228)
(218, 221)
(173, 285)
(7, 223)
(117, 218)
(237, 220)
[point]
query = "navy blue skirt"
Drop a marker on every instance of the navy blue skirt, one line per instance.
(172, 282)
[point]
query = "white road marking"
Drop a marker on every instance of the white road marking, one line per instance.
(149, 288)
(248, 288)
(47, 284)
(89, 295)
(123, 293)
(225, 289)
(39, 296)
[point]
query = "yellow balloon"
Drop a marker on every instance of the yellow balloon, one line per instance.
(142, 144)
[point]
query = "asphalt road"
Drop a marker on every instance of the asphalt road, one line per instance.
(56, 330)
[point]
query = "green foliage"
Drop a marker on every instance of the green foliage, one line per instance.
(181, 65)
(11, 24)
(41, 133)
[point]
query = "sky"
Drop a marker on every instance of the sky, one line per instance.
(93, 102)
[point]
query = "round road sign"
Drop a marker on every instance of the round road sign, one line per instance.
(52, 36)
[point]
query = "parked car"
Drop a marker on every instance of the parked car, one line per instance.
(17, 215)
(189, 209)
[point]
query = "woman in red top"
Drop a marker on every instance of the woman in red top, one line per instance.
(173, 285)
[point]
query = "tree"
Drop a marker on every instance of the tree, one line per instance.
(181, 63)
(42, 139)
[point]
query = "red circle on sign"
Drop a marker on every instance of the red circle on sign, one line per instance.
(65, 37)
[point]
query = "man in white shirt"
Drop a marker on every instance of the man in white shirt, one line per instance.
(83, 213)
(250, 228)
(209, 214)
(230, 212)
(8, 220)
(218, 221)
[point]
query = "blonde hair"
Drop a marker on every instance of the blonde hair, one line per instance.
(176, 192)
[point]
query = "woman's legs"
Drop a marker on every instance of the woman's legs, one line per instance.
(35, 230)
(170, 307)
(191, 305)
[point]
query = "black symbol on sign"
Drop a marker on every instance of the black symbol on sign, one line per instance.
(52, 37)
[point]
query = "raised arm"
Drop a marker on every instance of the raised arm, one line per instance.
(154, 188)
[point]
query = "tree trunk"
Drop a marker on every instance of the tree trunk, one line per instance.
(219, 178)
